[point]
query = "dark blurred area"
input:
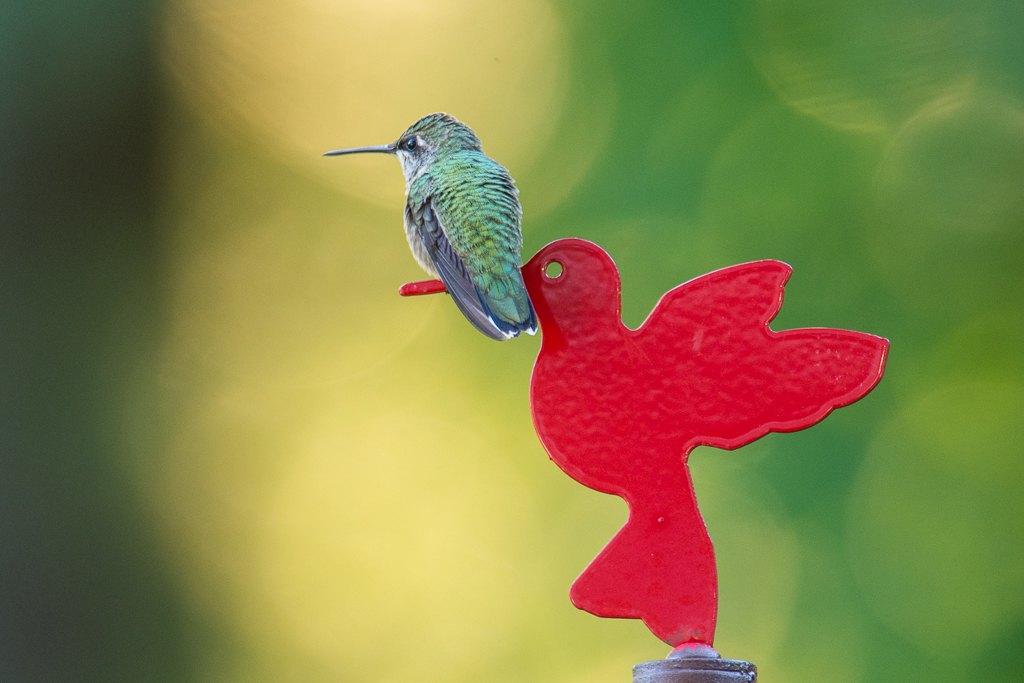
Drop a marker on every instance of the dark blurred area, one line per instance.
(84, 595)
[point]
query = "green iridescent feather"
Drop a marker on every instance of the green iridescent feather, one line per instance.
(477, 204)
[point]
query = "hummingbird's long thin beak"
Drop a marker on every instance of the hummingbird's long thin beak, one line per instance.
(379, 149)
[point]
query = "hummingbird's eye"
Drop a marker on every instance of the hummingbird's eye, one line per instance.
(410, 144)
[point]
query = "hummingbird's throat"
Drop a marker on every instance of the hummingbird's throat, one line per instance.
(413, 167)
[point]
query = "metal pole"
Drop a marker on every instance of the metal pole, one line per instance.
(695, 664)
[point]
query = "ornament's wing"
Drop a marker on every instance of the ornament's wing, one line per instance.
(751, 379)
(452, 270)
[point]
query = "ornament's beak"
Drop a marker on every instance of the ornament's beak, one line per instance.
(379, 149)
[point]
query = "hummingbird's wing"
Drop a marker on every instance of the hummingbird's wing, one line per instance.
(452, 270)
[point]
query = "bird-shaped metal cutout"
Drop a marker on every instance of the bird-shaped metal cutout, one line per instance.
(462, 220)
(619, 410)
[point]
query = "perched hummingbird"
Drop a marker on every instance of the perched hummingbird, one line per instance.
(462, 220)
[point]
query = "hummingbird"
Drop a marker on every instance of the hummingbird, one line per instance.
(463, 222)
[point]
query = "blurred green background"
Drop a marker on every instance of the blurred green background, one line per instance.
(230, 452)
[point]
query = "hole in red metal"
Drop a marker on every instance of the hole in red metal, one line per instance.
(553, 270)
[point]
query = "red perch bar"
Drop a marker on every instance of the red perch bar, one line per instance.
(423, 287)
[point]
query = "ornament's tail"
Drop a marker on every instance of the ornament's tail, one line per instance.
(660, 567)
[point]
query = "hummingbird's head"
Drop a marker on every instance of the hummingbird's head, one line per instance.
(432, 136)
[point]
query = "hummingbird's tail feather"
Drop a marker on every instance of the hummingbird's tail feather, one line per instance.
(512, 328)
